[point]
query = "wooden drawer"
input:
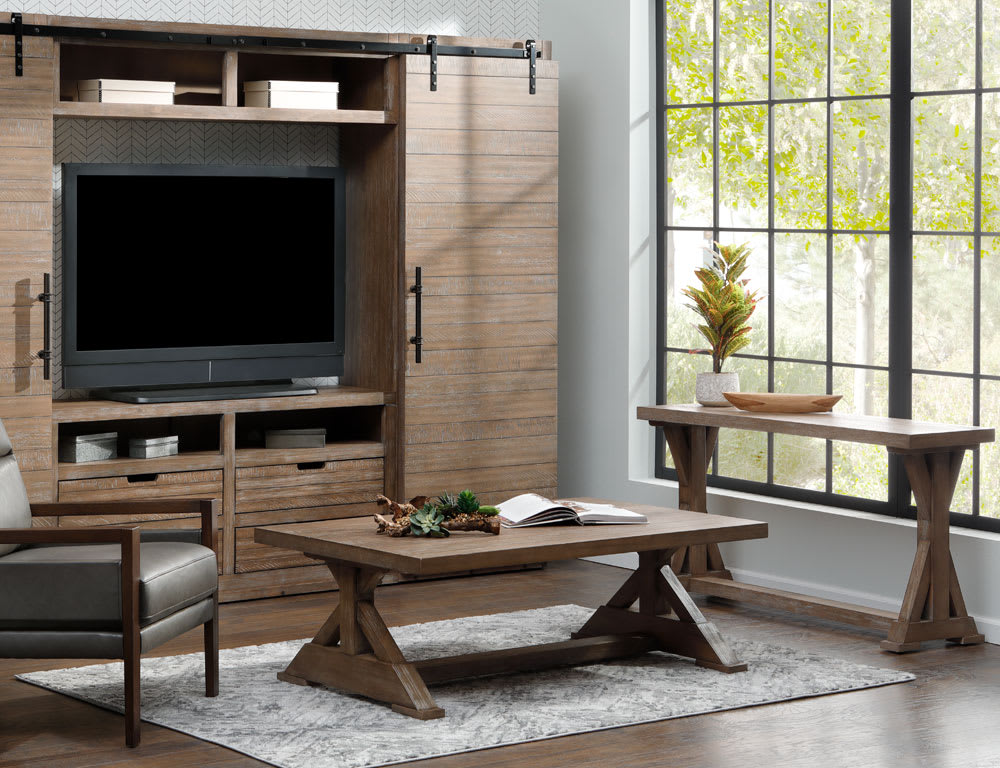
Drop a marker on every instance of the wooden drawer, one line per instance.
(206, 484)
(311, 484)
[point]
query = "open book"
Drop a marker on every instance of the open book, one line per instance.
(532, 509)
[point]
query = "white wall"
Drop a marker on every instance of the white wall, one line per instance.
(607, 338)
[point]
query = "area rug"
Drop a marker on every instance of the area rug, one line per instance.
(294, 727)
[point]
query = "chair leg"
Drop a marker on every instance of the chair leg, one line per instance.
(131, 639)
(212, 651)
(132, 693)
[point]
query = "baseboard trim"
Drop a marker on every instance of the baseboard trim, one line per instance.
(988, 625)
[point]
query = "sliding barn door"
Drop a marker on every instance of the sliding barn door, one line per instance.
(25, 256)
(481, 197)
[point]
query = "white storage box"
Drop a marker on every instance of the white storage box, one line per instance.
(126, 91)
(295, 94)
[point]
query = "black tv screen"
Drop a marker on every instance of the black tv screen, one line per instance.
(180, 274)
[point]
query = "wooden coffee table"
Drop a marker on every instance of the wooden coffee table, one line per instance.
(354, 650)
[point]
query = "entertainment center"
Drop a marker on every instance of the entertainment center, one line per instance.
(459, 181)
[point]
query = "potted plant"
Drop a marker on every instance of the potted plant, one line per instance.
(724, 303)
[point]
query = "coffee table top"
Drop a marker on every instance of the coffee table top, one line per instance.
(354, 540)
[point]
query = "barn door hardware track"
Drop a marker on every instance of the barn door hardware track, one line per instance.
(431, 48)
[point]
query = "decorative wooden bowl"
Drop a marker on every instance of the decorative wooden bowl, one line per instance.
(775, 402)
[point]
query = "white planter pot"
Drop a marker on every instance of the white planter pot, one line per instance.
(708, 387)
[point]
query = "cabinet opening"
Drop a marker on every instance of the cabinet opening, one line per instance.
(361, 79)
(341, 424)
(197, 73)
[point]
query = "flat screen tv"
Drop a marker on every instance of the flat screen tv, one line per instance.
(180, 275)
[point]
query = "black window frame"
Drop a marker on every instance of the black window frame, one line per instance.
(900, 234)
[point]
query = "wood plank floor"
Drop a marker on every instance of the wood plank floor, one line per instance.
(947, 717)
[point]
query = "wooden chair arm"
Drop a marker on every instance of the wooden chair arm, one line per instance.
(71, 535)
(207, 509)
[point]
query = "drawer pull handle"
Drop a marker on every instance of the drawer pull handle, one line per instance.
(304, 466)
(149, 477)
(417, 340)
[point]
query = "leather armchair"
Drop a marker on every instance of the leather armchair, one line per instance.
(109, 592)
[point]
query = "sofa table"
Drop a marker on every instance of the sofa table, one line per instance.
(932, 607)
(354, 650)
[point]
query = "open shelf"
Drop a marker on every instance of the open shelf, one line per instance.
(339, 451)
(124, 465)
(209, 83)
(94, 110)
(66, 411)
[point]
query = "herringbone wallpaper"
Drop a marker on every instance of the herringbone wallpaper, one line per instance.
(151, 141)
(477, 18)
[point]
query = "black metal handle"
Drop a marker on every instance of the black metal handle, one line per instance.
(432, 51)
(45, 355)
(417, 340)
(17, 22)
(532, 49)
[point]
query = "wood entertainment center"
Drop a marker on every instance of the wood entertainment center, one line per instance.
(460, 182)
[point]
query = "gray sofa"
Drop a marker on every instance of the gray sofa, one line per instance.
(104, 592)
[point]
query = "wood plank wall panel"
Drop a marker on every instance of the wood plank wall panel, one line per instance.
(481, 194)
(25, 254)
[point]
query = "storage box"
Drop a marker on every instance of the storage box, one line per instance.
(82, 448)
(152, 447)
(296, 94)
(126, 91)
(295, 438)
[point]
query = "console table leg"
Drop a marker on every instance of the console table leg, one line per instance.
(354, 651)
(657, 588)
(933, 607)
(691, 448)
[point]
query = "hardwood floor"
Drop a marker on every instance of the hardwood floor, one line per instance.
(947, 717)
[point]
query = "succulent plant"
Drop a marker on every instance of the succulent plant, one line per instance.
(468, 504)
(427, 522)
(447, 504)
(488, 511)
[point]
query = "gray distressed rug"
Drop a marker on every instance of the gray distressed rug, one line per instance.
(299, 727)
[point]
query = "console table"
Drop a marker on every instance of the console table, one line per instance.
(932, 608)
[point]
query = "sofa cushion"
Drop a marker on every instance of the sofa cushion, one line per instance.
(79, 586)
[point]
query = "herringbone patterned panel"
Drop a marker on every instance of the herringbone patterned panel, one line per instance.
(153, 141)
(516, 19)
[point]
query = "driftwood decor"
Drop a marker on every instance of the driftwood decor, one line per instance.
(420, 516)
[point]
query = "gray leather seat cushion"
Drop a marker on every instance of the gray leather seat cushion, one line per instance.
(79, 586)
(100, 643)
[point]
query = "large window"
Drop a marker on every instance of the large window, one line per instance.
(869, 191)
